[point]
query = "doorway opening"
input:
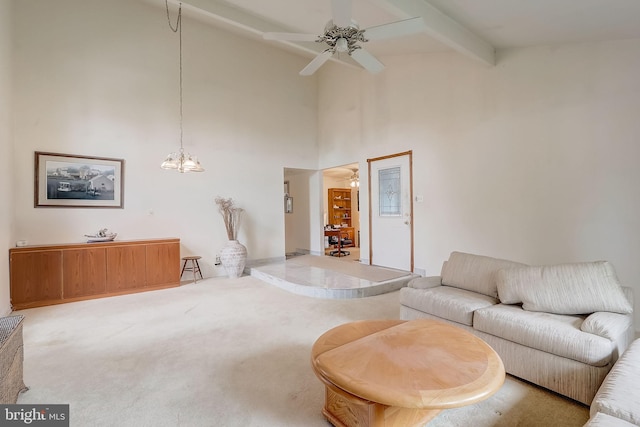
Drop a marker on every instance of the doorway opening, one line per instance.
(341, 212)
(306, 214)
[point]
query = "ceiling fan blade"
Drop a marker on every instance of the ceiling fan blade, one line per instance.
(341, 10)
(296, 37)
(368, 61)
(317, 62)
(395, 29)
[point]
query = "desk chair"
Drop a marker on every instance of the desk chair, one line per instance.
(343, 239)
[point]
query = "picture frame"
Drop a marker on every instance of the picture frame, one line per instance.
(76, 181)
(288, 204)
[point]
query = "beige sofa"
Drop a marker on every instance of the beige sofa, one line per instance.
(561, 326)
(617, 402)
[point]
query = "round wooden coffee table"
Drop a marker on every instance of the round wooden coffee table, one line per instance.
(402, 373)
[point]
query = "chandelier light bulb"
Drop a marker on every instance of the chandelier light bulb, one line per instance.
(342, 45)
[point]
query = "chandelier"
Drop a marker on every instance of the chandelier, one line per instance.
(181, 161)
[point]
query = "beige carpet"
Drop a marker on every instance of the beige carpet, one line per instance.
(366, 272)
(219, 353)
(517, 404)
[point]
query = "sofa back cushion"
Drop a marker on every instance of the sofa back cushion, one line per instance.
(579, 288)
(475, 273)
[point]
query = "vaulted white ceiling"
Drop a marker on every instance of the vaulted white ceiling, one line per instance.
(474, 28)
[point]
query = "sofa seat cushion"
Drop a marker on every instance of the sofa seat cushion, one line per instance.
(456, 305)
(475, 273)
(551, 333)
(618, 395)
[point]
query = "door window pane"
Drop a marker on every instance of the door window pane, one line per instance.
(389, 191)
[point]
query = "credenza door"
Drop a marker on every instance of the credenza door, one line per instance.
(126, 268)
(85, 272)
(161, 265)
(36, 276)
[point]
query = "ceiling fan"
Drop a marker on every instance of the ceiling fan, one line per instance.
(343, 35)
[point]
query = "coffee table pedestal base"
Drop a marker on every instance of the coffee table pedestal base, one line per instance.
(346, 410)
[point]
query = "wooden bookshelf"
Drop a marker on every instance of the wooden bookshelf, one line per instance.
(339, 207)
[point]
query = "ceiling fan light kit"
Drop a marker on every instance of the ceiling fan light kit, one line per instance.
(343, 35)
(342, 39)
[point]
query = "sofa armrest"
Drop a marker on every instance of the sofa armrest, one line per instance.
(611, 325)
(618, 395)
(607, 325)
(425, 282)
(614, 326)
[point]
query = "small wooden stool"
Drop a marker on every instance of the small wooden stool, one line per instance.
(195, 267)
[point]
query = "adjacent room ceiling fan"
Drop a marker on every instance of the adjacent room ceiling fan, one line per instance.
(342, 35)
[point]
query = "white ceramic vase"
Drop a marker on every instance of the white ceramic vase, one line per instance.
(233, 257)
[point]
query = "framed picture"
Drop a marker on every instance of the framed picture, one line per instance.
(288, 204)
(72, 181)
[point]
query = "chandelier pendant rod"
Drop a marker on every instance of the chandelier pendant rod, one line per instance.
(179, 26)
(178, 29)
(181, 161)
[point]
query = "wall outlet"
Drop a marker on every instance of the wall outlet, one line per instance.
(218, 262)
(420, 271)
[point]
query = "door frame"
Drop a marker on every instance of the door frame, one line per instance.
(411, 239)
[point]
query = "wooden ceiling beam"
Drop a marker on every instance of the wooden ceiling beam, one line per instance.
(443, 28)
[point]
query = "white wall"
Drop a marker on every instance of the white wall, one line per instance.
(101, 78)
(534, 160)
(6, 184)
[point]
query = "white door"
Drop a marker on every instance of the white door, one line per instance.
(390, 211)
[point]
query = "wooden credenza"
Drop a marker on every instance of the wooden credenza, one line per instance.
(55, 274)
